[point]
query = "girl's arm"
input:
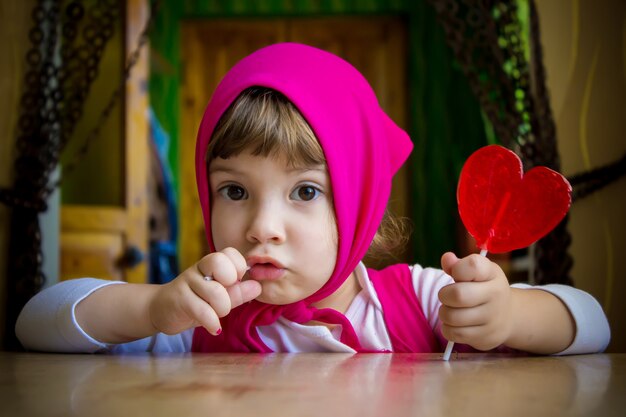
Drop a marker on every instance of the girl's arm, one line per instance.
(482, 310)
(86, 315)
(118, 313)
(47, 323)
(121, 313)
(539, 323)
(592, 331)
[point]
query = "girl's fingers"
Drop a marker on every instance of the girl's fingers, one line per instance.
(464, 317)
(219, 267)
(447, 261)
(204, 315)
(461, 334)
(479, 337)
(224, 299)
(238, 260)
(214, 294)
(226, 267)
(216, 284)
(471, 268)
(465, 294)
(243, 292)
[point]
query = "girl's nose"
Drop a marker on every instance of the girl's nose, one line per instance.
(266, 225)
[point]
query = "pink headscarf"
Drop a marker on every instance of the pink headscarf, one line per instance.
(363, 147)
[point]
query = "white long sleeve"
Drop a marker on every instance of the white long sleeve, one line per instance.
(48, 323)
(592, 328)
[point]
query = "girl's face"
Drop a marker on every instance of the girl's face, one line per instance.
(280, 218)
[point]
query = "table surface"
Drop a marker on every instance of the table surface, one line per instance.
(326, 384)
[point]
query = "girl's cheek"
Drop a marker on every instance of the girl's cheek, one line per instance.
(228, 233)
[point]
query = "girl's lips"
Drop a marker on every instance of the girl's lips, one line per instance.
(265, 271)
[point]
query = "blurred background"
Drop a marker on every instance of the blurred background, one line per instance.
(105, 97)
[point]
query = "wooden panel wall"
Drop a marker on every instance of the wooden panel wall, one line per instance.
(585, 55)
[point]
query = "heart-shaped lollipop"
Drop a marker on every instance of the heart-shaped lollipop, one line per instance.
(502, 208)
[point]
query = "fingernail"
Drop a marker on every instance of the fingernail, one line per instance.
(218, 332)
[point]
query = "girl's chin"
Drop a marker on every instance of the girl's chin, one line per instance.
(277, 301)
(275, 296)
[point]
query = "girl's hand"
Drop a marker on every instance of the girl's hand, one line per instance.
(190, 300)
(477, 309)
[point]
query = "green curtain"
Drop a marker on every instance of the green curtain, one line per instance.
(446, 127)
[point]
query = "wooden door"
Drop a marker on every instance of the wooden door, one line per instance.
(374, 45)
(96, 239)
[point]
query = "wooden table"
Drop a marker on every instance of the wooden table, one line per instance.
(316, 385)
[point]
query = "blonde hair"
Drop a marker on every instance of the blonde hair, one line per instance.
(264, 122)
(390, 240)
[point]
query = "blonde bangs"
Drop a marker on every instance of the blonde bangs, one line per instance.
(265, 123)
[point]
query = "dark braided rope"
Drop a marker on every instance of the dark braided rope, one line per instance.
(588, 182)
(485, 38)
(52, 103)
(552, 259)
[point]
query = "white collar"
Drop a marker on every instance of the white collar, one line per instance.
(366, 284)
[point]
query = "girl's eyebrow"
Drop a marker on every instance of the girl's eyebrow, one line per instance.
(320, 168)
(226, 169)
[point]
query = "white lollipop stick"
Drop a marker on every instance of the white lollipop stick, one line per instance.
(450, 345)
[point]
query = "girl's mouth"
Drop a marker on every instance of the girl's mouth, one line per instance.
(265, 271)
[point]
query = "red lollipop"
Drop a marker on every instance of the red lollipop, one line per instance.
(502, 208)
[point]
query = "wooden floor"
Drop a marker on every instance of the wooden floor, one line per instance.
(311, 385)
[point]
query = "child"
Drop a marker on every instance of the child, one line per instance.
(294, 161)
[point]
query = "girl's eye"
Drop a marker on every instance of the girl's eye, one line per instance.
(305, 193)
(233, 192)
